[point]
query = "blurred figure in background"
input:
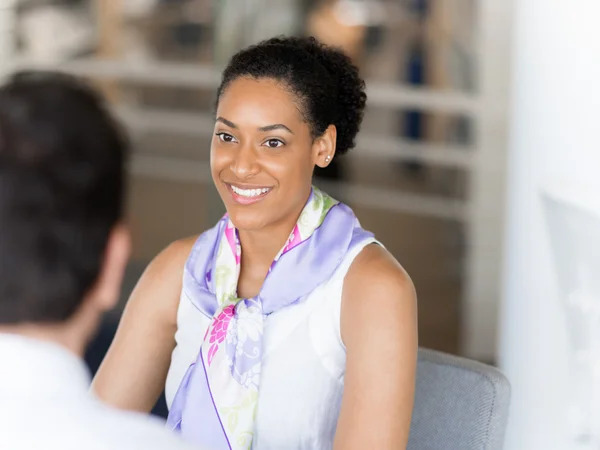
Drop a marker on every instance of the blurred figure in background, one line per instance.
(324, 23)
(286, 325)
(327, 24)
(63, 250)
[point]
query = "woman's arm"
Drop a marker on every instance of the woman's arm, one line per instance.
(133, 373)
(379, 329)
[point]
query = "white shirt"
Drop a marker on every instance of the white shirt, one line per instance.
(303, 367)
(45, 404)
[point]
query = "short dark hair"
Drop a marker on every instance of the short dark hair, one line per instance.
(327, 84)
(62, 181)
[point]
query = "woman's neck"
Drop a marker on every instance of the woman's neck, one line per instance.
(260, 247)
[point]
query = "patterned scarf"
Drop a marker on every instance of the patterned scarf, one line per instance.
(215, 405)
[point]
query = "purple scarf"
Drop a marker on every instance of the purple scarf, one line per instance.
(215, 405)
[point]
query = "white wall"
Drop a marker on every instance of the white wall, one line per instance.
(555, 131)
(487, 180)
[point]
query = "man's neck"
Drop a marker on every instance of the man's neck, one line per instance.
(59, 334)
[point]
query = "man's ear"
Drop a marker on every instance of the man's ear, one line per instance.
(324, 147)
(106, 291)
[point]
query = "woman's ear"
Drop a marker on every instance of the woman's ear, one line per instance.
(324, 147)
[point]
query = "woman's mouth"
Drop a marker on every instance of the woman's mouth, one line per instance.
(247, 195)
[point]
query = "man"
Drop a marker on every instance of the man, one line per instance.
(63, 250)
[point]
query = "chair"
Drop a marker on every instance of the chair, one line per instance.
(459, 404)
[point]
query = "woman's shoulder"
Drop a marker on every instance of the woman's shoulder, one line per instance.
(161, 282)
(376, 263)
(376, 282)
(173, 257)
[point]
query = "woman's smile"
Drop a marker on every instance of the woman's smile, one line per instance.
(247, 195)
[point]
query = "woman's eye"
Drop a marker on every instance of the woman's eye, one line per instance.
(225, 137)
(273, 143)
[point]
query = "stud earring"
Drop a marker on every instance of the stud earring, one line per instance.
(328, 158)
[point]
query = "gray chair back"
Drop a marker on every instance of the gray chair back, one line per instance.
(459, 404)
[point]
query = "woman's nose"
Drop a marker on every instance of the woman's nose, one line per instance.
(245, 163)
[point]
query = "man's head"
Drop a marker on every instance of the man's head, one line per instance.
(62, 181)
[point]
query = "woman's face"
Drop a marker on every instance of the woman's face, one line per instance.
(263, 154)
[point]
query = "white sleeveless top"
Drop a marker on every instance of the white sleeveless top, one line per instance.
(302, 374)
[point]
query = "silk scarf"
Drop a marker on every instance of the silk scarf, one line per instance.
(216, 402)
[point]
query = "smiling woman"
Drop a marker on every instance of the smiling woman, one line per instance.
(286, 325)
(263, 153)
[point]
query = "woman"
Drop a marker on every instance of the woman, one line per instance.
(286, 326)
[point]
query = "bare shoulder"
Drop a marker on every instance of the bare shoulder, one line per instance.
(162, 279)
(379, 330)
(376, 282)
(377, 276)
(173, 257)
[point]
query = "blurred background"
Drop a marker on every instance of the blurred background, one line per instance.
(424, 177)
(411, 178)
(472, 105)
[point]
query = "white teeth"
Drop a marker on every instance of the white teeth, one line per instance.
(249, 192)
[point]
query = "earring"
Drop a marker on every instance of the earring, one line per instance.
(328, 158)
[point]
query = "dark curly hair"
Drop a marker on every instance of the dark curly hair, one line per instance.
(326, 83)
